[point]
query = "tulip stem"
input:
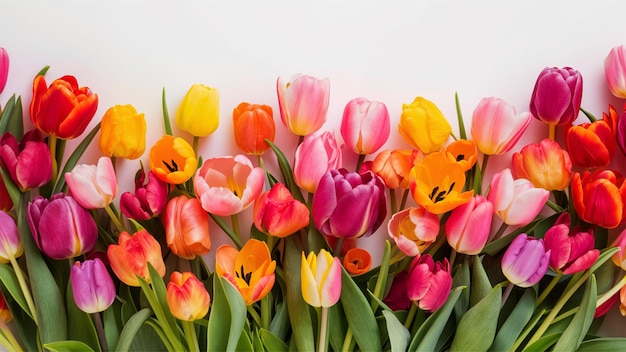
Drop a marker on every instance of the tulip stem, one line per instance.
(338, 245)
(116, 221)
(405, 196)
(166, 115)
(20, 278)
(507, 293)
(551, 132)
(608, 294)
(548, 289)
(410, 316)
(255, 315)
(8, 339)
(554, 206)
(347, 342)
(196, 141)
(234, 221)
(190, 334)
(52, 144)
(393, 201)
(452, 258)
(483, 167)
(500, 231)
(265, 312)
(359, 162)
(100, 329)
(589, 115)
(323, 342)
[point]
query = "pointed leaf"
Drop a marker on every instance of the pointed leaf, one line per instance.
(7, 115)
(160, 291)
(68, 346)
(272, 342)
(578, 327)
(399, 336)
(16, 124)
(515, 322)
(477, 328)
(603, 344)
(227, 317)
(359, 314)
(10, 282)
(481, 286)
(285, 169)
(462, 278)
(131, 328)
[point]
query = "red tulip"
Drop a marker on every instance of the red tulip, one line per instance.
(599, 197)
(592, 145)
(148, 200)
(278, 214)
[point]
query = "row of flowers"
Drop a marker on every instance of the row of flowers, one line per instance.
(456, 254)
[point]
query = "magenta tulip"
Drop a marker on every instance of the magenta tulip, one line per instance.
(516, 202)
(429, 282)
(61, 228)
(277, 213)
(365, 125)
(4, 68)
(316, 155)
(10, 241)
(557, 95)
(93, 186)
(29, 162)
(348, 204)
(303, 102)
(148, 201)
(92, 286)
(525, 261)
(572, 249)
(496, 127)
(469, 225)
(614, 71)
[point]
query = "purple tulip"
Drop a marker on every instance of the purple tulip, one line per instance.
(61, 228)
(4, 68)
(525, 261)
(29, 162)
(92, 286)
(10, 242)
(148, 200)
(349, 204)
(557, 95)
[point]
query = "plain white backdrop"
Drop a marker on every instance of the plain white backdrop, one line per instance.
(128, 51)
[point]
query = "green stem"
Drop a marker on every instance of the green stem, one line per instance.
(162, 319)
(196, 141)
(8, 339)
(265, 312)
(500, 231)
(116, 221)
(548, 289)
(23, 285)
(323, 331)
(483, 167)
(410, 316)
(338, 245)
(452, 258)
(589, 115)
(234, 222)
(52, 144)
(347, 341)
(100, 330)
(381, 281)
(507, 293)
(554, 206)
(605, 296)
(359, 162)
(405, 196)
(224, 226)
(166, 115)
(255, 315)
(393, 201)
(190, 335)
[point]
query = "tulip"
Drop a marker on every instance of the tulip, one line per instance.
(594, 143)
(429, 282)
(464, 152)
(92, 286)
(622, 300)
(10, 241)
(62, 110)
(303, 102)
(621, 131)
(619, 258)
(186, 296)
(413, 230)
(61, 228)
(516, 202)
(173, 160)
(4, 68)
(599, 197)
(525, 261)
(469, 225)
(357, 261)
(544, 164)
(437, 183)
(93, 186)
(5, 312)
(571, 249)
(250, 270)
(614, 70)
(397, 298)
(423, 125)
(29, 163)
(253, 124)
(278, 214)
(227, 185)
(365, 125)
(199, 112)
(316, 155)
(393, 166)
(122, 132)
(129, 258)
(348, 204)
(148, 201)
(605, 307)
(6, 204)
(321, 279)
(557, 95)
(186, 227)
(496, 126)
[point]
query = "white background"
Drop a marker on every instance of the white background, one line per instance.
(128, 51)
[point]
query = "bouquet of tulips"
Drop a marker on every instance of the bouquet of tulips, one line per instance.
(529, 256)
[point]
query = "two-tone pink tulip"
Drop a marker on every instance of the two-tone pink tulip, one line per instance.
(413, 230)
(365, 125)
(469, 225)
(525, 261)
(496, 126)
(277, 213)
(516, 202)
(557, 95)
(303, 103)
(430, 282)
(615, 71)
(93, 186)
(149, 199)
(186, 227)
(320, 279)
(92, 286)
(317, 154)
(571, 249)
(545, 164)
(10, 241)
(29, 163)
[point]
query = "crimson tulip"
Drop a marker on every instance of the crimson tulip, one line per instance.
(592, 145)
(544, 164)
(469, 225)
(277, 213)
(516, 202)
(621, 131)
(186, 227)
(599, 197)
(525, 261)
(429, 282)
(318, 153)
(557, 95)
(6, 204)
(397, 298)
(365, 125)
(148, 201)
(29, 163)
(92, 286)
(93, 186)
(303, 102)
(571, 249)
(129, 258)
(10, 241)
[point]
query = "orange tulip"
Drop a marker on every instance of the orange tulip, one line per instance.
(413, 230)
(252, 124)
(173, 160)
(463, 151)
(357, 261)
(599, 197)
(593, 144)
(130, 257)
(186, 296)
(393, 166)
(544, 164)
(250, 270)
(186, 227)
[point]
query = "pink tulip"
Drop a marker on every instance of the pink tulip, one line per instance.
(619, 258)
(496, 127)
(469, 225)
(348, 204)
(571, 248)
(365, 125)
(278, 214)
(516, 202)
(429, 282)
(413, 230)
(4, 68)
(303, 102)
(227, 185)
(93, 186)
(148, 201)
(61, 228)
(614, 70)
(186, 227)
(316, 155)
(92, 286)
(525, 261)
(10, 241)
(29, 163)
(557, 95)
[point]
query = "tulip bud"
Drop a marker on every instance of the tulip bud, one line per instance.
(429, 282)
(320, 279)
(365, 125)
(469, 225)
(303, 102)
(199, 112)
(614, 70)
(423, 125)
(496, 127)
(253, 124)
(557, 95)
(544, 164)
(186, 227)
(357, 261)
(525, 261)
(4, 68)
(10, 241)
(516, 202)
(173, 160)
(186, 296)
(92, 286)
(129, 258)
(278, 214)
(316, 155)
(148, 201)
(29, 164)
(93, 186)
(122, 132)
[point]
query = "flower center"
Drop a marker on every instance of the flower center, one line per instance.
(460, 157)
(244, 276)
(171, 168)
(438, 196)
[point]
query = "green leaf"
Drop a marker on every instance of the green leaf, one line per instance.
(577, 329)
(477, 328)
(285, 169)
(16, 124)
(246, 344)
(481, 286)
(158, 287)
(543, 343)
(515, 322)
(166, 114)
(68, 346)
(131, 328)
(112, 322)
(603, 344)
(227, 318)
(279, 325)
(399, 336)
(10, 282)
(462, 278)
(80, 325)
(459, 116)
(359, 314)
(272, 342)
(74, 157)
(7, 115)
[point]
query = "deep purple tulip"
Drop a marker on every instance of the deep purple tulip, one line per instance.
(148, 200)
(29, 162)
(557, 95)
(349, 204)
(525, 261)
(61, 228)
(92, 286)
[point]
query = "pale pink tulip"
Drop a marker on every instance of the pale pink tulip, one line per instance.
(615, 71)
(303, 102)
(93, 186)
(413, 230)
(516, 202)
(496, 126)
(469, 225)
(317, 154)
(365, 125)
(4, 68)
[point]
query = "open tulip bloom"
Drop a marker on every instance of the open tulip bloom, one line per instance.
(287, 248)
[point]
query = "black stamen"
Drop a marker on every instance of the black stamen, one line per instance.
(460, 157)
(432, 194)
(245, 276)
(173, 167)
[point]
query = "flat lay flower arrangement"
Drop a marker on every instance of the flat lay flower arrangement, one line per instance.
(528, 256)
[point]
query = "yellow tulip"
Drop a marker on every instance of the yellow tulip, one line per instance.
(423, 125)
(199, 112)
(173, 160)
(123, 132)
